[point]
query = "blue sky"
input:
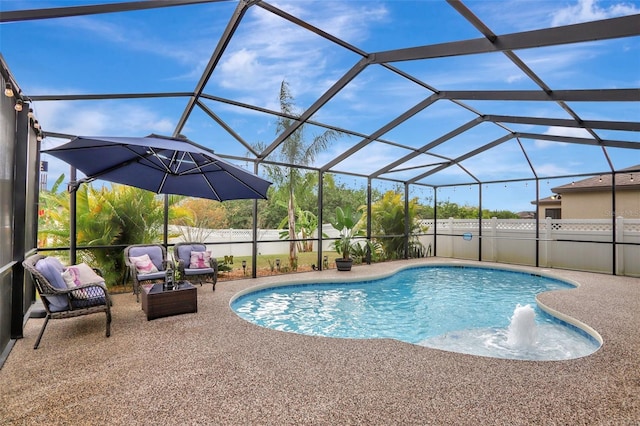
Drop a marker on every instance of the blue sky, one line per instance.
(165, 50)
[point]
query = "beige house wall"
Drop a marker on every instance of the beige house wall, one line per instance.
(543, 207)
(628, 204)
(597, 205)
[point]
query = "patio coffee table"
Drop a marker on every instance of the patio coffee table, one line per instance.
(157, 302)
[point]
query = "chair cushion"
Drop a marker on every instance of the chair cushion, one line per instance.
(154, 253)
(154, 276)
(199, 271)
(184, 251)
(143, 264)
(200, 259)
(89, 302)
(51, 269)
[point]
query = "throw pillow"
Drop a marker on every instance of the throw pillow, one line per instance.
(143, 264)
(80, 274)
(200, 259)
(70, 277)
(86, 274)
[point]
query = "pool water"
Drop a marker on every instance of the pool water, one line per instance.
(461, 309)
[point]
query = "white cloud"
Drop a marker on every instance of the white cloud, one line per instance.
(187, 50)
(103, 119)
(100, 118)
(560, 62)
(551, 169)
(242, 62)
(65, 117)
(132, 36)
(366, 160)
(526, 15)
(347, 20)
(590, 10)
(575, 132)
(268, 49)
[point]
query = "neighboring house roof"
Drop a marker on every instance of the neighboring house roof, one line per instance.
(526, 215)
(625, 180)
(549, 201)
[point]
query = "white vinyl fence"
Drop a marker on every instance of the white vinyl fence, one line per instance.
(237, 242)
(580, 244)
(584, 244)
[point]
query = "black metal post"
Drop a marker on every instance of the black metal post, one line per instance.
(369, 196)
(435, 220)
(614, 257)
(537, 216)
(20, 170)
(479, 222)
(320, 218)
(254, 245)
(406, 220)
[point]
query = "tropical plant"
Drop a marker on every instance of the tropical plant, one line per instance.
(115, 216)
(348, 223)
(388, 223)
(306, 226)
(53, 216)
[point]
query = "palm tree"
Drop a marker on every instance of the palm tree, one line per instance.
(297, 151)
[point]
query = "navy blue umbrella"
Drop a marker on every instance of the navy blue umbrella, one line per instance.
(161, 164)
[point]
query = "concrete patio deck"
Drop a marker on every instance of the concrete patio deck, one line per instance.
(214, 368)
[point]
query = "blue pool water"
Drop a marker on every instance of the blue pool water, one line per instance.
(461, 309)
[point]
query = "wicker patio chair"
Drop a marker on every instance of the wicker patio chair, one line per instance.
(206, 271)
(59, 300)
(158, 256)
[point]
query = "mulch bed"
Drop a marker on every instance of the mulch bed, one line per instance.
(235, 274)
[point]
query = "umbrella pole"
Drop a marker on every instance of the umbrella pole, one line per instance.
(254, 251)
(72, 220)
(166, 221)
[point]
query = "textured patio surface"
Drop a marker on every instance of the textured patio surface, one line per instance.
(214, 368)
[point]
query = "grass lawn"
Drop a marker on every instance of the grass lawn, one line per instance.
(304, 259)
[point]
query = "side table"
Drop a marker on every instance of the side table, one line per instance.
(157, 302)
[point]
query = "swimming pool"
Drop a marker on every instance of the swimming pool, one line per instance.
(461, 309)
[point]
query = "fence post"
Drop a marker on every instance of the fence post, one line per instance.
(546, 242)
(451, 237)
(619, 267)
(494, 239)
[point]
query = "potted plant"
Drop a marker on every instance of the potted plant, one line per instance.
(347, 224)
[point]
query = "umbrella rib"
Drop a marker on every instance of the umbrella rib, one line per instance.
(138, 157)
(245, 184)
(240, 181)
(167, 170)
(199, 168)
